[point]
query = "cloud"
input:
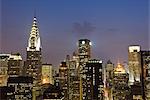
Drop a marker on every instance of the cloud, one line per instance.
(83, 28)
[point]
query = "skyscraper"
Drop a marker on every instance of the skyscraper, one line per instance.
(145, 64)
(73, 78)
(120, 83)
(3, 69)
(33, 62)
(94, 80)
(108, 79)
(134, 62)
(63, 78)
(84, 53)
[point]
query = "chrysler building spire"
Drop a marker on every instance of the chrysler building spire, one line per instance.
(34, 43)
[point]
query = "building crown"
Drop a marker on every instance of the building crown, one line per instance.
(34, 43)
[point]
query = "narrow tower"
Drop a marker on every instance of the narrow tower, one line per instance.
(134, 64)
(84, 53)
(33, 62)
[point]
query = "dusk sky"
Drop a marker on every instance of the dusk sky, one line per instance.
(111, 25)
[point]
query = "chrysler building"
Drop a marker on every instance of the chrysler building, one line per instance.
(33, 61)
(34, 43)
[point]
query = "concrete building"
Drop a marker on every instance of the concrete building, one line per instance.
(145, 64)
(22, 88)
(63, 74)
(33, 63)
(84, 53)
(108, 80)
(53, 93)
(47, 74)
(134, 62)
(94, 80)
(120, 83)
(3, 69)
(73, 78)
(15, 65)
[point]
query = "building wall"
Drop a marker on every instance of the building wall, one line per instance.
(47, 74)
(134, 62)
(84, 53)
(33, 66)
(145, 62)
(94, 80)
(120, 83)
(3, 69)
(15, 65)
(22, 88)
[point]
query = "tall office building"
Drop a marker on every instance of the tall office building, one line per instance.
(134, 62)
(84, 53)
(120, 83)
(108, 79)
(15, 65)
(47, 74)
(63, 73)
(73, 78)
(94, 80)
(3, 69)
(33, 62)
(145, 63)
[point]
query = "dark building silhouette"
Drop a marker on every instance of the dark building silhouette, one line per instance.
(94, 80)
(22, 88)
(53, 93)
(145, 66)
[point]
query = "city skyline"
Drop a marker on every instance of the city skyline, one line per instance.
(118, 25)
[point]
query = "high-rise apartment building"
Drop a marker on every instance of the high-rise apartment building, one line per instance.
(134, 63)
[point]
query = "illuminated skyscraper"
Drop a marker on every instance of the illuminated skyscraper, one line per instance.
(145, 62)
(120, 83)
(134, 62)
(84, 53)
(63, 78)
(108, 79)
(73, 78)
(94, 80)
(33, 62)
(3, 69)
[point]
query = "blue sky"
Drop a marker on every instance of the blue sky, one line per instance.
(117, 24)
